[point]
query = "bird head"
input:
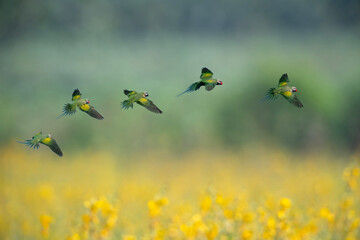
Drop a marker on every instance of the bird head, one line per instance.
(49, 135)
(87, 101)
(218, 82)
(293, 89)
(146, 94)
(39, 133)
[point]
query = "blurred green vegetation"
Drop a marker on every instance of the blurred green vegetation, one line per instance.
(49, 48)
(142, 17)
(38, 75)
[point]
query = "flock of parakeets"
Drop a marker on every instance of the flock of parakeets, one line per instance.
(206, 80)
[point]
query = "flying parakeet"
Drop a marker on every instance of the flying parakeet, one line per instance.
(141, 99)
(45, 139)
(206, 80)
(83, 104)
(284, 90)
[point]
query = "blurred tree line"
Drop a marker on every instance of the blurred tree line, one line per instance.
(21, 17)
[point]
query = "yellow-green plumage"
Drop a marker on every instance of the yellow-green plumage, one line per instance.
(284, 90)
(45, 139)
(82, 104)
(141, 99)
(206, 80)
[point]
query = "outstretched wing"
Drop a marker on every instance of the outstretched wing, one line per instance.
(76, 94)
(91, 111)
(69, 109)
(52, 144)
(149, 105)
(292, 98)
(129, 93)
(295, 101)
(205, 73)
(210, 84)
(193, 87)
(283, 81)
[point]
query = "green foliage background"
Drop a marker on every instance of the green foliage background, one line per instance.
(50, 48)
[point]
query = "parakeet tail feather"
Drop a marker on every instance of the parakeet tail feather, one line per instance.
(270, 95)
(126, 104)
(69, 109)
(30, 144)
(191, 88)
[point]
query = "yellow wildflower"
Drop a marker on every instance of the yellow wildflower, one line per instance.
(129, 237)
(75, 236)
(213, 231)
(229, 214)
(246, 234)
(285, 203)
(271, 223)
(248, 217)
(45, 221)
(355, 224)
(326, 214)
(206, 203)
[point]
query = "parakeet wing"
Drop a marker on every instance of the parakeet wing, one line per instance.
(149, 105)
(91, 111)
(283, 80)
(295, 101)
(205, 73)
(129, 93)
(52, 144)
(76, 94)
(210, 86)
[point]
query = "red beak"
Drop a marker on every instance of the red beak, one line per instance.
(295, 90)
(220, 83)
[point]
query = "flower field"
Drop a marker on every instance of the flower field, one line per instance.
(250, 194)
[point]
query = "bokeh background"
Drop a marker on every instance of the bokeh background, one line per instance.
(224, 139)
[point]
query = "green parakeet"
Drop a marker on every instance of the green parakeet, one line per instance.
(141, 99)
(206, 80)
(82, 104)
(284, 90)
(45, 139)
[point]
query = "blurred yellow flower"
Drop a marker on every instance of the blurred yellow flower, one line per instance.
(271, 223)
(246, 234)
(326, 214)
(285, 203)
(75, 236)
(206, 203)
(129, 237)
(213, 231)
(248, 217)
(46, 220)
(355, 172)
(355, 224)
(229, 214)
